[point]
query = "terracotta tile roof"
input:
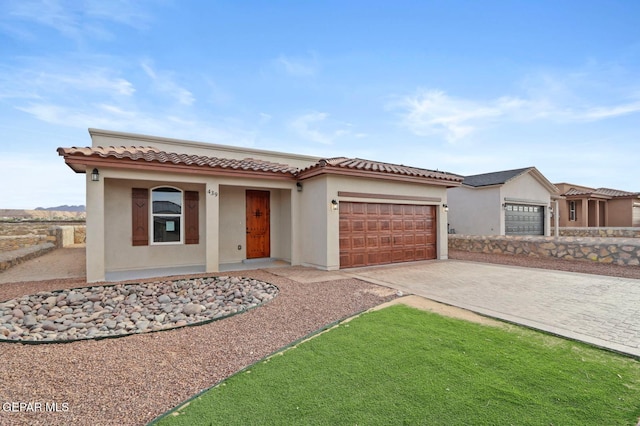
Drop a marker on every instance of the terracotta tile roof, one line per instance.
(151, 154)
(600, 192)
(77, 159)
(360, 165)
(574, 191)
(616, 193)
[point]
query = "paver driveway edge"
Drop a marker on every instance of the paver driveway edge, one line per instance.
(566, 326)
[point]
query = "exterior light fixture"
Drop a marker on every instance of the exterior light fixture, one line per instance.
(445, 207)
(334, 205)
(95, 176)
(299, 186)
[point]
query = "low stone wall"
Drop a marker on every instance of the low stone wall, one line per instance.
(15, 242)
(621, 251)
(14, 257)
(599, 232)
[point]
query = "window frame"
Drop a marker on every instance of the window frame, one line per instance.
(153, 215)
(572, 211)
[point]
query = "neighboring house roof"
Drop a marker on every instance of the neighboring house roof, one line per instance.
(360, 167)
(147, 157)
(606, 193)
(502, 177)
(494, 178)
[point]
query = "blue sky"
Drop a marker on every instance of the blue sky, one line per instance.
(462, 86)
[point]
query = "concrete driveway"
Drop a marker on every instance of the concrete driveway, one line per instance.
(603, 311)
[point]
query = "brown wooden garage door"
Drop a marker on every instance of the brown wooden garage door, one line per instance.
(375, 234)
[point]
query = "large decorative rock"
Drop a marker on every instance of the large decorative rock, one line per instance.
(122, 309)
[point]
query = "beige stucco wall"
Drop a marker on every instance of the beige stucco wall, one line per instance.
(321, 247)
(121, 255)
(620, 212)
(475, 211)
(314, 217)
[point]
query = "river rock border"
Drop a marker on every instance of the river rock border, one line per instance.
(124, 309)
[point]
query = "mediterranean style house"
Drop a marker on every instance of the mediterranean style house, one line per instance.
(509, 202)
(160, 206)
(582, 206)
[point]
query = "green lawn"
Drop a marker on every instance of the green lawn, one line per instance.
(401, 365)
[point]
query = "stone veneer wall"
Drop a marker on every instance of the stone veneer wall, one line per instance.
(599, 232)
(15, 242)
(621, 251)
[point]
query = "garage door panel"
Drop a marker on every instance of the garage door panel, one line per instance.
(357, 225)
(376, 233)
(524, 219)
(345, 243)
(357, 208)
(358, 242)
(373, 242)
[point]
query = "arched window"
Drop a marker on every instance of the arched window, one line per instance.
(166, 215)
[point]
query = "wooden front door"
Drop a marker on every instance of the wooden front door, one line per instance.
(258, 233)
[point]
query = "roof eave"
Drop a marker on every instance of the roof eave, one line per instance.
(81, 163)
(316, 171)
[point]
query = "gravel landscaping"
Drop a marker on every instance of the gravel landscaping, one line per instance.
(119, 310)
(133, 379)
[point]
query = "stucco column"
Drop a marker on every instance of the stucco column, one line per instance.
(585, 212)
(212, 240)
(296, 234)
(556, 218)
(95, 229)
(442, 242)
(333, 233)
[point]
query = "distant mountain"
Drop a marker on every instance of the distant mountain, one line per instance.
(65, 208)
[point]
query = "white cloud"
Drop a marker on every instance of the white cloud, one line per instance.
(297, 67)
(264, 118)
(41, 80)
(164, 82)
(433, 112)
(302, 125)
(73, 19)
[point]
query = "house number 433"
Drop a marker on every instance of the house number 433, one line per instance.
(212, 192)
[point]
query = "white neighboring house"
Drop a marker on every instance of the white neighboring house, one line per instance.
(509, 202)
